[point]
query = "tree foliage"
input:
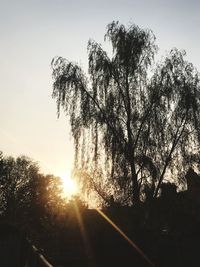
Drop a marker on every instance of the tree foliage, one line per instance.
(132, 124)
(26, 194)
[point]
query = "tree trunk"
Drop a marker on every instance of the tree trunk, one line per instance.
(136, 191)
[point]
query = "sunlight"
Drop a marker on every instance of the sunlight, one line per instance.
(125, 237)
(84, 234)
(70, 186)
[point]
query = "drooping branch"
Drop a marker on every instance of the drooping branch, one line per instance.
(174, 144)
(123, 115)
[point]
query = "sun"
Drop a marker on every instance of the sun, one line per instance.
(70, 186)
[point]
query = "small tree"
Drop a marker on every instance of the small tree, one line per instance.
(15, 178)
(126, 126)
(25, 194)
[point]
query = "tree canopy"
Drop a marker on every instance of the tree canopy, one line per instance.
(133, 122)
(26, 195)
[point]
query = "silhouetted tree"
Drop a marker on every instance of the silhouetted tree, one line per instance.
(25, 194)
(129, 129)
(15, 176)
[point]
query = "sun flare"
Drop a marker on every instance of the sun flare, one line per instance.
(70, 186)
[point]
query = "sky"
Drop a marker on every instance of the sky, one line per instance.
(33, 32)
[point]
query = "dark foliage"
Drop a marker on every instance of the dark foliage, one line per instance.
(133, 125)
(166, 229)
(28, 197)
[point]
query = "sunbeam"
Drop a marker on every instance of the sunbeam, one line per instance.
(125, 237)
(84, 235)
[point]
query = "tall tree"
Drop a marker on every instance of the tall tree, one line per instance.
(126, 125)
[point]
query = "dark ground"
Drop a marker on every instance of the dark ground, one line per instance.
(167, 232)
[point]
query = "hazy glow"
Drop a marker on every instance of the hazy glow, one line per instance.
(70, 186)
(33, 32)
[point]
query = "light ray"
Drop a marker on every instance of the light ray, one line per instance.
(84, 234)
(125, 237)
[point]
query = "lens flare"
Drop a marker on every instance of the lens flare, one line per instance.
(125, 237)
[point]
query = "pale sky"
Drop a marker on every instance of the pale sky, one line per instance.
(33, 32)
